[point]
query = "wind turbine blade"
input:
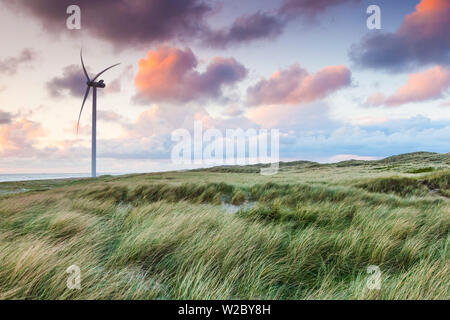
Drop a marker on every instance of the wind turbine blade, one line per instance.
(98, 75)
(82, 106)
(84, 69)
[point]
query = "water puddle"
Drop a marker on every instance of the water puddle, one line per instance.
(232, 209)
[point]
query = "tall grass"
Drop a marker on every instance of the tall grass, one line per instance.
(173, 241)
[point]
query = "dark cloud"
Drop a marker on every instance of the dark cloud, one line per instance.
(268, 25)
(256, 26)
(422, 39)
(5, 117)
(124, 22)
(169, 74)
(144, 22)
(72, 81)
(10, 65)
(309, 8)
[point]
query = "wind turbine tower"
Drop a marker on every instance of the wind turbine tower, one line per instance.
(94, 85)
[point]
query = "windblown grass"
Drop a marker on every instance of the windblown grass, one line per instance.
(167, 237)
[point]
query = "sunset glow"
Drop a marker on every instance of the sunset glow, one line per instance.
(309, 68)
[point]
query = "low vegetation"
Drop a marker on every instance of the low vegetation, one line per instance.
(310, 232)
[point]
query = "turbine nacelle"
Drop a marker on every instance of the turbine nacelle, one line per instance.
(91, 83)
(99, 84)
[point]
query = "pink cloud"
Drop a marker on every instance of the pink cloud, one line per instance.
(296, 86)
(18, 137)
(168, 74)
(427, 20)
(423, 38)
(428, 85)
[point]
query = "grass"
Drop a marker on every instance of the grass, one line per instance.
(311, 233)
(421, 170)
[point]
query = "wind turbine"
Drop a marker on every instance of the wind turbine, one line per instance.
(92, 83)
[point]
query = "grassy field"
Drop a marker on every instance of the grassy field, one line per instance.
(309, 232)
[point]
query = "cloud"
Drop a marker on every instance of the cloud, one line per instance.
(168, 74)
(259, 25)
(115, 85)
(393, 137)
(5, 117)
(267, 25)
(124, 22)
(309, 8)
(376, 99)
(421, 39)
(310, 132)
(306, 132)
(18, 138)
(161, 21)
(149, 135)
(299, 118)
(415, 123)
(295, 85)
(233, 111)
(10, 65)
(423, 86)
(72, 81)
(157, 120)
(110, 116)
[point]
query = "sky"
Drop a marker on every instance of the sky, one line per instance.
(334, 88)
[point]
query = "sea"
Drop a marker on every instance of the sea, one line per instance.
(45, 176)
